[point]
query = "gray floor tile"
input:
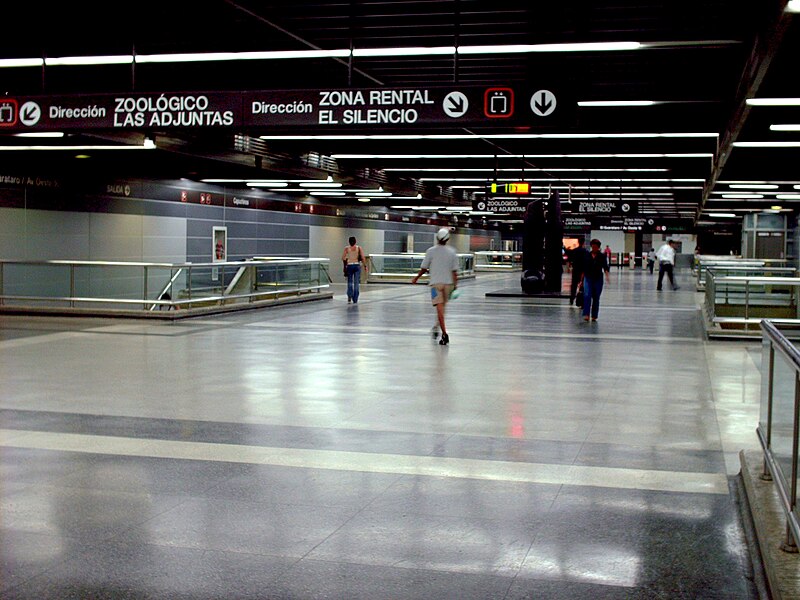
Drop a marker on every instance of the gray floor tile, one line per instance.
(145, 571)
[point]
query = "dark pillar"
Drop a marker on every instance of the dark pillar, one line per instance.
(554, 243)
(533, 232)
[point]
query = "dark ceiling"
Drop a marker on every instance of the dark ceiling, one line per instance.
(699, 61)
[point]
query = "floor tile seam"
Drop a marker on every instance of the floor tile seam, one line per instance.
(471, 333)
(449, 437)
(383, 463)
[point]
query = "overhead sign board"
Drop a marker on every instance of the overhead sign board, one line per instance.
(395, 108)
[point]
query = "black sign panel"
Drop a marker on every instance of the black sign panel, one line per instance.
(405, 107)
(603, 207)
(112, 111)
(577, 223)
(399, 108)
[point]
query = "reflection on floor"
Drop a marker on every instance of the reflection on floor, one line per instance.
(334, 450)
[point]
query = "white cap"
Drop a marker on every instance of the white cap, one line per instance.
(443, 234)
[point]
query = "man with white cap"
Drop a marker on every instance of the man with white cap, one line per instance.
(441, 262)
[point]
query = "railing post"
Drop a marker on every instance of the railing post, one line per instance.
(72, 286)
(189, 286)
(746, 304)
(766, 475)
(144, 288)
(790, 544)
(2, 291)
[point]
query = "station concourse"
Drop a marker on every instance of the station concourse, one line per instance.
(190, 408)
(327, 450)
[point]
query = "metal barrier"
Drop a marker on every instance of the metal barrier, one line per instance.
(490, 260)
(401, 268)
(740, 266)
(737, 303)
(130, 287)
(779, 423)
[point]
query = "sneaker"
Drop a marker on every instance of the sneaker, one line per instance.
(594, 318)
(445, 340)
(435, 331)
(676, 288)
(586, 318)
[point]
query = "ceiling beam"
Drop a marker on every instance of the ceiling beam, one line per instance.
(765, 48)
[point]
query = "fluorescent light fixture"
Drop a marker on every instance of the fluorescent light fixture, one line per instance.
(149, 144)
(616, 103)
(373, 193)
(753, 186)
(320, 184)
(124, 59)
(786, 127)
(409, 207)
(776, 207)
(326, 193)
(793, 6)
(229, 56)
(74, 148)
(493, 156)
(41, 134)
(364, 199)
(270, 184)
(767, 144)
(797, 187)
(517, 170)
(773, 101)
(21, 62)
(526, 48)
(488, 136)
(410, 51)
(742, 196)
(788, 197)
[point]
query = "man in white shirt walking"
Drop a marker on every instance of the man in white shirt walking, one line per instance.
(666, 261)
(442, 263)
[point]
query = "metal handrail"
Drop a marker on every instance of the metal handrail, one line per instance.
(715, 285)
(772, 468)
(166, 288)
(314, 278)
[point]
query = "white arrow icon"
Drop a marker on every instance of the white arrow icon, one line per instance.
(30, 113)
(455, 104)
(543, 102)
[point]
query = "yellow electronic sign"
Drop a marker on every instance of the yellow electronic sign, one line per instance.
(518, 187)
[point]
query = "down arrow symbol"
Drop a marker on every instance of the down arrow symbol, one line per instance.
(543, 103)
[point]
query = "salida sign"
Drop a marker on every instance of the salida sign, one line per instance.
(329, 109)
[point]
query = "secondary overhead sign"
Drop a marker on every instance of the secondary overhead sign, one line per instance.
(323, 110)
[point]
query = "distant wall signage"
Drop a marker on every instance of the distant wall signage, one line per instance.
(326, 109)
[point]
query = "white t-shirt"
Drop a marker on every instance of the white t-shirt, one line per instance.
(666, 254)
(441, 261)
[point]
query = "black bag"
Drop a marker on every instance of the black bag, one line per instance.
(579, 296)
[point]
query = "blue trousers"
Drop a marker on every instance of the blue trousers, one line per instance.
(353, 280)
(592, 288)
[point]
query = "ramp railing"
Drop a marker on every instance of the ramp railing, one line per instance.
(779, 422)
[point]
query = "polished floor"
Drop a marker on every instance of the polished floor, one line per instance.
(331, 450)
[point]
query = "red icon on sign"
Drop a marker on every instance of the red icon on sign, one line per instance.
(184, 196)
(8, 112)
(498, 103)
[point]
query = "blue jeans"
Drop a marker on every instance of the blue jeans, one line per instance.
(592, 288)
(353, 279)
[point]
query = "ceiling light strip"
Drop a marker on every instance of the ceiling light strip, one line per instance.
(625, 46)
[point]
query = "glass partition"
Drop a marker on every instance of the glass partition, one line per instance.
(119, 286)
(498, 261)
(401, 268)
(739, 302)
(778, 428)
